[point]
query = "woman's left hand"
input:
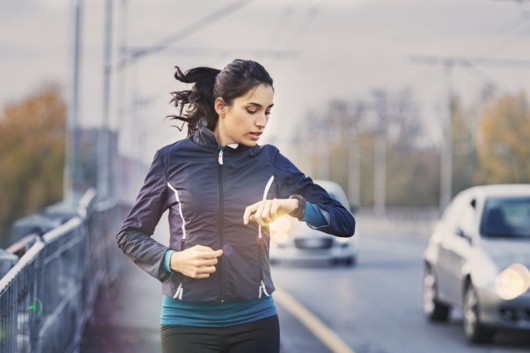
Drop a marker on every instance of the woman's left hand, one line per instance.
(266, 212)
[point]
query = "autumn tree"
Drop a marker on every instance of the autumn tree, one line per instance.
(32, 137)
(411, 166)
(502, 144)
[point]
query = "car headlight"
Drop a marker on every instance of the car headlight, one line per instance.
(280, 229)
(512, 282)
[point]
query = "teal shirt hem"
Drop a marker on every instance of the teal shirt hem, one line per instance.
(178, 312)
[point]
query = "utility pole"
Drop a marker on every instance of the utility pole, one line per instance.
(446, 176)
(446, 162)
(446, 149)
(120, 186)
(381, 107)
(354, 158)
(354, 170)
(104, 152)
(73, 181)
(322, 146)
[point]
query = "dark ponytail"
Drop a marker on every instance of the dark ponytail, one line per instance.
(199, 100)
(234, 81)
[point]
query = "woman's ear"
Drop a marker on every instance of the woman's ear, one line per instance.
(220, 106)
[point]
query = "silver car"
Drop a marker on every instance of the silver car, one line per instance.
(294, 241)
(478, 259)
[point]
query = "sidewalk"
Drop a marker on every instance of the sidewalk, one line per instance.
(127, 315)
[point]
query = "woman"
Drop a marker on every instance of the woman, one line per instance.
(222, 190)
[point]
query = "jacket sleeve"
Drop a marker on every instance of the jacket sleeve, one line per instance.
(134, 238)
(292, 181)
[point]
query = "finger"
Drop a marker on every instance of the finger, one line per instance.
(201, 271)
(201, 275)
(248, 212)
(212, 254)
(258, 213)
(275, 207)
(207, 252)
(206, 269)
(201, 248)
(266, 216)
(209, 262)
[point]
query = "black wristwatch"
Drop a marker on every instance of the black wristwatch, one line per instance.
(300, 211)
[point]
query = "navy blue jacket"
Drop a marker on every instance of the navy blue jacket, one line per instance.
(206, 193)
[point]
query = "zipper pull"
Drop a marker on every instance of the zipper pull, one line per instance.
(220, 159)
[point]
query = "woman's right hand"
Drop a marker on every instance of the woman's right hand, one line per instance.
(196, 262)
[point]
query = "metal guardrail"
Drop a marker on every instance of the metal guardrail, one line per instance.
(48, 296)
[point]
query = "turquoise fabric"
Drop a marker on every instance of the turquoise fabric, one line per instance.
(178, 312)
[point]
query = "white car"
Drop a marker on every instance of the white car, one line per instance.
(478, 259)
(294, 241)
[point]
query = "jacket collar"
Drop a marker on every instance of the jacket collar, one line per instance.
(205, 138)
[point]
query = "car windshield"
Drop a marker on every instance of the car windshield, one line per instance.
(506, 217)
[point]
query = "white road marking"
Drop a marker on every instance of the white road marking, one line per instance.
(317, 327)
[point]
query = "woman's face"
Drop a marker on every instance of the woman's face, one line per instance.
(245, 120)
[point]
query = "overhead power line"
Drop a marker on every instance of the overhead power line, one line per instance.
(181, 34)
(471, 61)
(520, 2)
(210, 51)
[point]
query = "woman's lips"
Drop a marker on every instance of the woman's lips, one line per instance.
(255, 135)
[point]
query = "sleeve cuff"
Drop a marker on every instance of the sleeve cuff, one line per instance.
(167, 260)
(315, 217)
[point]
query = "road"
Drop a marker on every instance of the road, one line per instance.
(372, 307)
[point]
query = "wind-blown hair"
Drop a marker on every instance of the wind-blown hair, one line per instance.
(234, 81)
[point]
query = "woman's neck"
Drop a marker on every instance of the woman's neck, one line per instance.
(221, 137)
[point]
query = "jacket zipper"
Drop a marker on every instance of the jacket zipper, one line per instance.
(221, 235)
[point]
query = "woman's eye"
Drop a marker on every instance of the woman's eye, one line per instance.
(267, 113)
(251, 111)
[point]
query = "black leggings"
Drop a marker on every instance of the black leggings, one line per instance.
(262, 336)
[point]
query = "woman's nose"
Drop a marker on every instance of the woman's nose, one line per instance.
(261, 120)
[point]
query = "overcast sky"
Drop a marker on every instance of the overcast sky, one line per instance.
(315, 51)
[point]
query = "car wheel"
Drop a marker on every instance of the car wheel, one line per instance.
(473, 330)
(432, 308)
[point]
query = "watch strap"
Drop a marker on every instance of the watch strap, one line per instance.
(300, 211)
